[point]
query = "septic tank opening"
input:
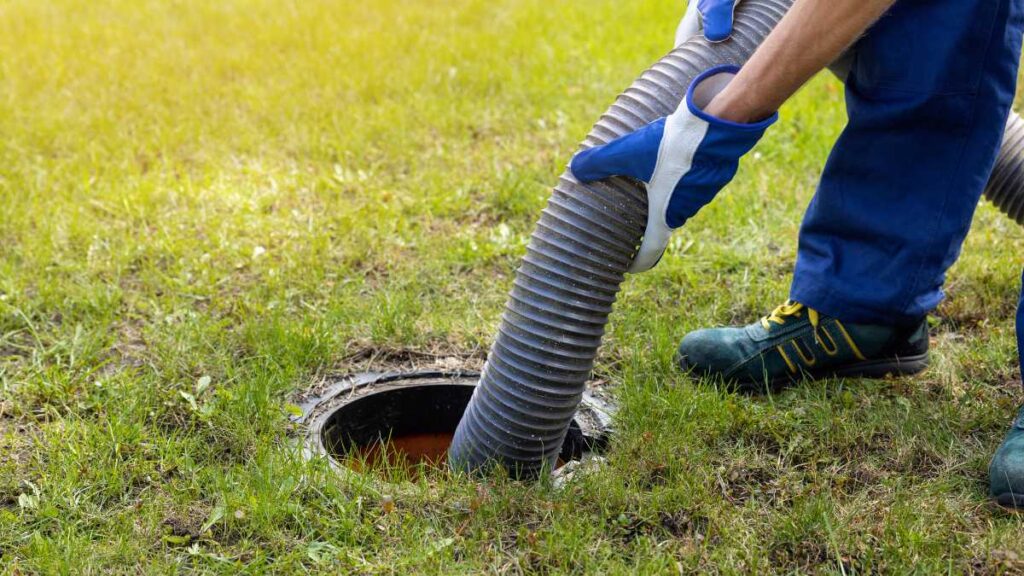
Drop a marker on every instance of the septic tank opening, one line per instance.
(398, 422)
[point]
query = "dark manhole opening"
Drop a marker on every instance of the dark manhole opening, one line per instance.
(400, 422)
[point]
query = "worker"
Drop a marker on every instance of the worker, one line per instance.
(929, 85)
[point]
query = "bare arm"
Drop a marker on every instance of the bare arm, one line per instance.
(810, 36)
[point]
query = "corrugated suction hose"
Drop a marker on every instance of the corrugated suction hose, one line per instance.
(576, 260)
(1005, 186)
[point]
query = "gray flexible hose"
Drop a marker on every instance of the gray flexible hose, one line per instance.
(576, 260)
(1005, 188)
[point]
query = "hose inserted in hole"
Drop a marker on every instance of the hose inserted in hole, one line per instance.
(577, 258)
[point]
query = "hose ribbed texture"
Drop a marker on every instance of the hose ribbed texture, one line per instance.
(1005, 186)
(576, 260)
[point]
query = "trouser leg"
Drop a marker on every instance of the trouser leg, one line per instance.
(1020, 329)
(928, 93)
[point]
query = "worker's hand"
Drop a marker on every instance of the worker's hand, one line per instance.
(714, 17)
(684, 159)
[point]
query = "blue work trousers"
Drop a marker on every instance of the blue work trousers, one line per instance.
(1020, 328)
(927, 97)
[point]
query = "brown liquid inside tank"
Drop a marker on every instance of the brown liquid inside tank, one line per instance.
(403, 455)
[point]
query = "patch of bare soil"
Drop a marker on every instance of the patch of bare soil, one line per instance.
(998, 562)
(16, 439)
(382, 359)
(437, 357)
(184, 526)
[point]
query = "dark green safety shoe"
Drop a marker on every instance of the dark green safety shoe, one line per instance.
(1006, 472)
(795, 341)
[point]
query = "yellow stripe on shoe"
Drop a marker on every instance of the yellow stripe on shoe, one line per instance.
(809, 362)
(792, 367)
(849, 340)
(821, 341)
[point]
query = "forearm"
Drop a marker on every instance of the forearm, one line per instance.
(809, 37)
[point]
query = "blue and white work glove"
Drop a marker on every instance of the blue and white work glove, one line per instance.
(684, 159)
(714, 17)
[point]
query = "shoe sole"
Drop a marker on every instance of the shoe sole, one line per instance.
(898, 366)
(1010, 500)
(882, 368)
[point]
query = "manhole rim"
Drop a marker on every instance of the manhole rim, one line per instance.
(594, 417)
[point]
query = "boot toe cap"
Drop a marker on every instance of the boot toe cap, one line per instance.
(1006, 472)
(708, 352)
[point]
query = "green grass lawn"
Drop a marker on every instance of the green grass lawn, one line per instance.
(208, 207)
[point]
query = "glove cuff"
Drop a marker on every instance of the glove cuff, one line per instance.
(706, 86)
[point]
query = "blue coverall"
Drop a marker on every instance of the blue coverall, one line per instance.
(1020, 328)
(927, 96)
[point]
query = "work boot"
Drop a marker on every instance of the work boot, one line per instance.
(1006, 472)
(795, 341)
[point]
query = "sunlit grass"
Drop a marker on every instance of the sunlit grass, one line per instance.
(258, 192)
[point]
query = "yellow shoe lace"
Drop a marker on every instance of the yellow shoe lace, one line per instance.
(794, 310)
(787, 310)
